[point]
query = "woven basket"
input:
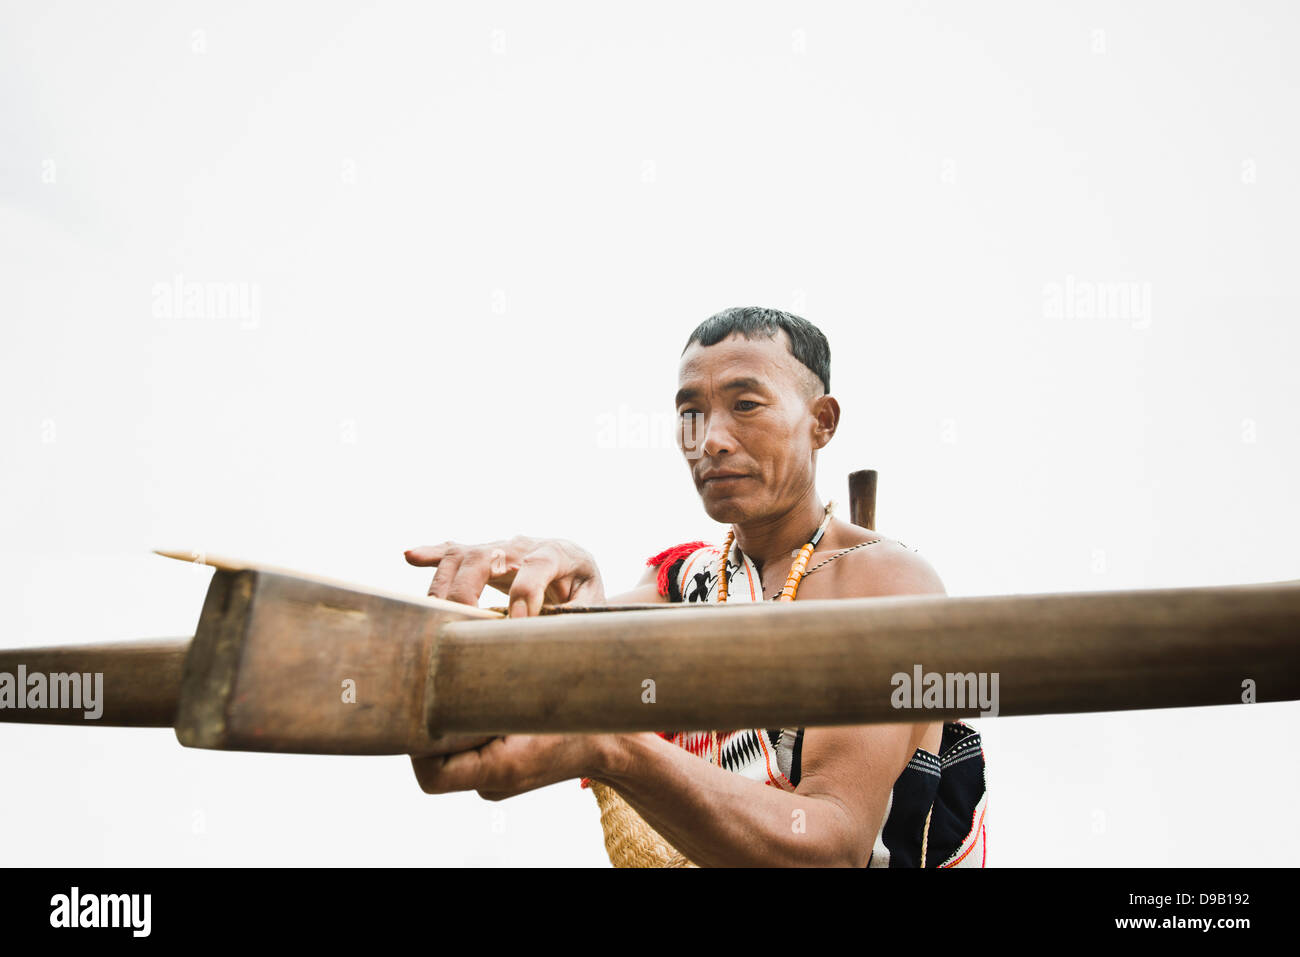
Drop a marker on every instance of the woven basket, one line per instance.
(629, 840)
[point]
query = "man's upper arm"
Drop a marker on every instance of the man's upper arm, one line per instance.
(645, 591)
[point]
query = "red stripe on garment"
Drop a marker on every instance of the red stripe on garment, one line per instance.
(762, 743)
(978, 832)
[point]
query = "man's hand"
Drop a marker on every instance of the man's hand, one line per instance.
(530, 570)
(516, 763)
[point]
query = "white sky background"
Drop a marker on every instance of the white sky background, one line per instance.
(478, 231)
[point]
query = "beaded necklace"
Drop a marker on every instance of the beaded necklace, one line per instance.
(797, 568)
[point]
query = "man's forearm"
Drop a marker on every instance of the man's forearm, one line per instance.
(720, 819)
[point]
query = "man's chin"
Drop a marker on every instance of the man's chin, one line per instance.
(724, 509)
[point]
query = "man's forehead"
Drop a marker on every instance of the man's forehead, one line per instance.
(766, 359)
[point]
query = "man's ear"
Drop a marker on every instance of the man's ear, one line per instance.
(826, 419)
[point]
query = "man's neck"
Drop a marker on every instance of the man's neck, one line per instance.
(769, 542)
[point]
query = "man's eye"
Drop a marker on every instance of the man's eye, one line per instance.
(686, 412)
(746, 402)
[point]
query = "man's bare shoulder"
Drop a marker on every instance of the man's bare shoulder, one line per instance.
(886, 567)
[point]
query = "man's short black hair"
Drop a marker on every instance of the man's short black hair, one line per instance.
(807, 342)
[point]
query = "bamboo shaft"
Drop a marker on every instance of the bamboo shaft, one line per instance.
(833, 662)
(807, 663)
(140, 687)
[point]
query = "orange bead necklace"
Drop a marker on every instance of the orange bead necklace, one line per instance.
(797, 568)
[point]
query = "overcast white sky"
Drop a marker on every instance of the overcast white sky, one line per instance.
(1053, 248)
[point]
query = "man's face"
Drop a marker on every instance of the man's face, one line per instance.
(746, 425)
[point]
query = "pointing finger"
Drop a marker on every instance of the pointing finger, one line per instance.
(426, 555)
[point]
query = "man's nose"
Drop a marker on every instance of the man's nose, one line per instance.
(706, 436)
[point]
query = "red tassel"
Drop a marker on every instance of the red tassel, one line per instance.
(664, 561)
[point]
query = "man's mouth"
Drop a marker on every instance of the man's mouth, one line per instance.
(719, 478)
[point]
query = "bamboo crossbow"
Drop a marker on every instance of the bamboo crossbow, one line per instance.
(286, 662)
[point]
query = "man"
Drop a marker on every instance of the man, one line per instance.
(755, 408)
